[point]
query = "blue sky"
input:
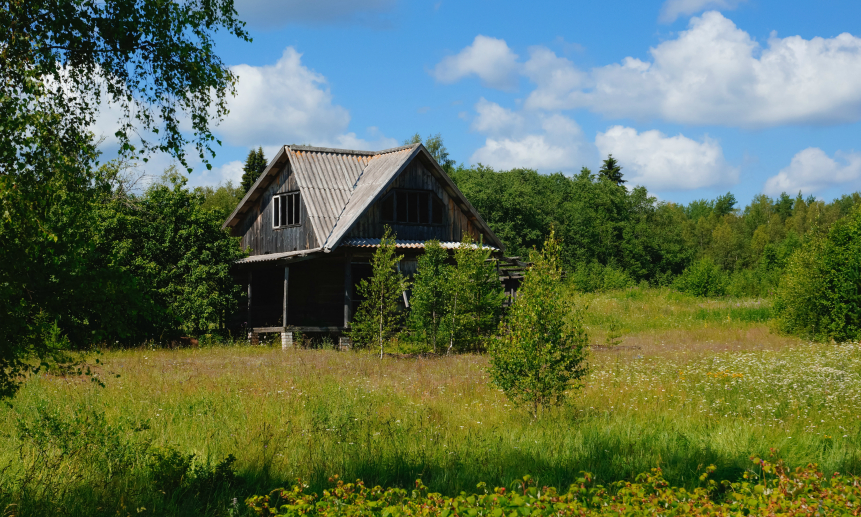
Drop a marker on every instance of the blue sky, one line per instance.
(694, 97)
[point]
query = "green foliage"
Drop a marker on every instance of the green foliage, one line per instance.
(221, 199)
(702, 278)
(112, 464)
(379, 315)
(179, 257)
(766, 489)
(254, 166)
(538, 358)
(435, 146)
(60, 60)
(819, 295)
(595, 277)
(611, 170)
(429, 301)
(475, 298)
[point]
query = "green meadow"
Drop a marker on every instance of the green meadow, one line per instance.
(676, 382)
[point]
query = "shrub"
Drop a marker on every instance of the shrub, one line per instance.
(537, 357)
(702, 278)
(595, 277)
(819, 296)
(379, 316)
(429, 304)
(776, 491)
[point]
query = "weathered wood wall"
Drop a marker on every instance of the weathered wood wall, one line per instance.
(417, 177)
(256, 227)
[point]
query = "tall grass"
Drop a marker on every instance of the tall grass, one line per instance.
(721, 396)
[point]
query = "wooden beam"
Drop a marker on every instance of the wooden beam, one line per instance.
(348, 288)
(286, 285)
(266, 330)
(248, 319)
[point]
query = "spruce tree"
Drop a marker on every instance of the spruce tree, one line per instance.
(611, 170)
(537, 357)
(254, 166)
(379, 316)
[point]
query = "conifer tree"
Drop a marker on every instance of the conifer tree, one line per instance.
(379, 316)
(429, 303)
(538, 358)
(611, 170)
(254, 166)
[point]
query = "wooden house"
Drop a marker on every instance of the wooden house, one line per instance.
(313, 219)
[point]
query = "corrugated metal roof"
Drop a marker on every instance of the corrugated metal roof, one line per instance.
(355, 242)
(271, 257)
(338, 186)
(380, 171)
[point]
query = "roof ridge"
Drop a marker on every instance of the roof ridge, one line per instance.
(330, 150)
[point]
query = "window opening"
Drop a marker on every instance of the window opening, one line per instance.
(417, 207)
(285, 210)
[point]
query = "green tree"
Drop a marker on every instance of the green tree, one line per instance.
(379, 315)
(819, 295)
(429, 302)
(611, 170)
(435, 147)
(537, 358)
(179, 257)
(475, 297)
(221, 199)
(254, 166)
(155, 62)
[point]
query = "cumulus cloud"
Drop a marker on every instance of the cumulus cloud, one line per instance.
(713, 73)
(663, 163)
(812, 170)
(672, 9)
(281, 104)
(547, 143)
(488, 58)
(271, 14)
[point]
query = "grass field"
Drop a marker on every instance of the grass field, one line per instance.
(676, 382)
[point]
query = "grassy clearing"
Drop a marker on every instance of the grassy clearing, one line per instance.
(688, 387)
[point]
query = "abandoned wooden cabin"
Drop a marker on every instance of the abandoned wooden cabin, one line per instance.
(313, 219)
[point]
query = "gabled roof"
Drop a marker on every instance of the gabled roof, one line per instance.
(339, 185)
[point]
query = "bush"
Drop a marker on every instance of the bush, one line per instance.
(538, 358)
(776, 491)
(702, 278)
(595, 277)
(819, 296)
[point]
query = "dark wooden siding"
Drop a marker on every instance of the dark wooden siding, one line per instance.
(256, 227)
(417, 177)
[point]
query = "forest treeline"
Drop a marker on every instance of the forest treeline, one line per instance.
(615, 236)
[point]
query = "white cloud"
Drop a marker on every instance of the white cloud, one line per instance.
(672, 9)
(664, 163)
(281, 104)
(230, 171)
(713, 73)
(488, 58)
(271, 14)
(812, 170)
(547, 143)
(495, 120)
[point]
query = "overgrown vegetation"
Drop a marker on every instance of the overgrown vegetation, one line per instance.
(539, 356)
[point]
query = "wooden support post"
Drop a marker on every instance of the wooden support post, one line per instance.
(286, 284)
(254, 338)
(344, 343)
(348, 288)
(248, 317)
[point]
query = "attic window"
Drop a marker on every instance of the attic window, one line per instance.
(285, 210)
(411, 206)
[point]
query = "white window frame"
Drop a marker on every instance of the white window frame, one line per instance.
(286, 210)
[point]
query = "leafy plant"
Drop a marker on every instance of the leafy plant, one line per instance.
(702, 278)
(475, 297)
(429, 302)
(819, 295)
(379, 314)
(537, 359)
